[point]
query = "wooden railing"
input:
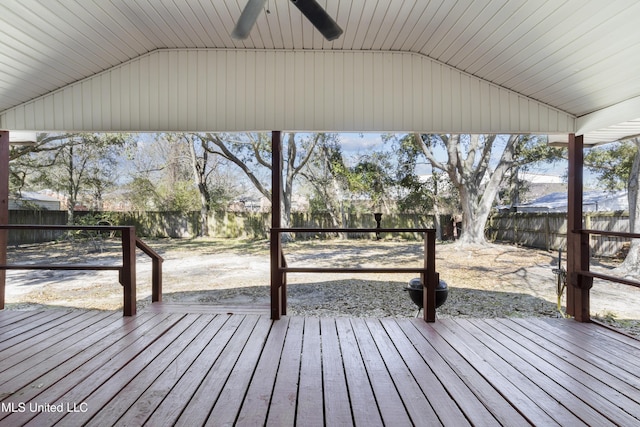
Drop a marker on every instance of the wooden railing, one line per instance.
(607, 277)
(279, 267)
(127, 270)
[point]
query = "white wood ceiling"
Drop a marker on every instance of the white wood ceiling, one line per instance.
(577, 56)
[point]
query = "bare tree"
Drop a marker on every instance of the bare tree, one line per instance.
(325, 174)
(252, 153)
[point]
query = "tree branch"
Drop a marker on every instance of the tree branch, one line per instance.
(233, 158)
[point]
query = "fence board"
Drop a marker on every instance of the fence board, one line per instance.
(549, 230)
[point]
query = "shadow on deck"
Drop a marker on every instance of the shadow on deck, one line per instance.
(170, 366)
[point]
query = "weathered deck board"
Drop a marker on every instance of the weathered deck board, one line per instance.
(483, 405)
(337, 410)
(361, 396)
(186, 386)
(178, 368)
(309, 412)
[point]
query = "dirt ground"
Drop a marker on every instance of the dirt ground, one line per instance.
(492, 281)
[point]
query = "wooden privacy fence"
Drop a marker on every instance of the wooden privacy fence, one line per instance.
(126, 271)
(549, 230)
(539, 230)
(225, 224)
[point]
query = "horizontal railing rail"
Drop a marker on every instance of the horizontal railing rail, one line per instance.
(279, 267)
(126, 270)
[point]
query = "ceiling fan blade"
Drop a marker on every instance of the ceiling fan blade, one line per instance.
(247, 19)
(319, 18)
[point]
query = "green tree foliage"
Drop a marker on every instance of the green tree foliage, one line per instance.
(339, 185)
(143, 194)
(618, 167)
(612, 164)
(174, 172)
(80, 166)
(371, 179)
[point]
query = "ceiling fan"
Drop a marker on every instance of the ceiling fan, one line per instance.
(309, 8)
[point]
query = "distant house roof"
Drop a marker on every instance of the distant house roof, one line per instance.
(593, 201)
(540, 178)
(42, 200)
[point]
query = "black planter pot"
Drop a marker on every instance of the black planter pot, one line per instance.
(416, 290)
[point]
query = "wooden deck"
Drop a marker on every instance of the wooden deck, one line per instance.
(165, 367)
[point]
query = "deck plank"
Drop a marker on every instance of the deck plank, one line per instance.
(337, 406)
(155, 394)
(363, 401)
(177, 307)
(255, 406)
(564, 360)
(128, 385)
(436, 373)
(55, 370)
(180, 395)
(598, 344)
(282, 410)
(37, 326)
(558, 384)
(416, 403)
(587, 349)
(525, 401)
(14, 317)
(400, 354)
(389, 401)
(49, 344)
(114, 386)
(227, 406)
(631, 343)
(309, 410)
(101, 368)
(433, 347)
(215, 377)
(24, 370)
(164, 368)
(546, 394)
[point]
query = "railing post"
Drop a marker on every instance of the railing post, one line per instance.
(4, 209)
(156, 280)
(128, 272)
(278, 294)
(579, 286)
(276, 275)
(429, 282)
(283, 283)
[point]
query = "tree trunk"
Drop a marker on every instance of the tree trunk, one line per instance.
(473, 219)
(200, 177)
(631, 263)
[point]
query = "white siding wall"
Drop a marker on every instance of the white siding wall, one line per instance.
(240, 90)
